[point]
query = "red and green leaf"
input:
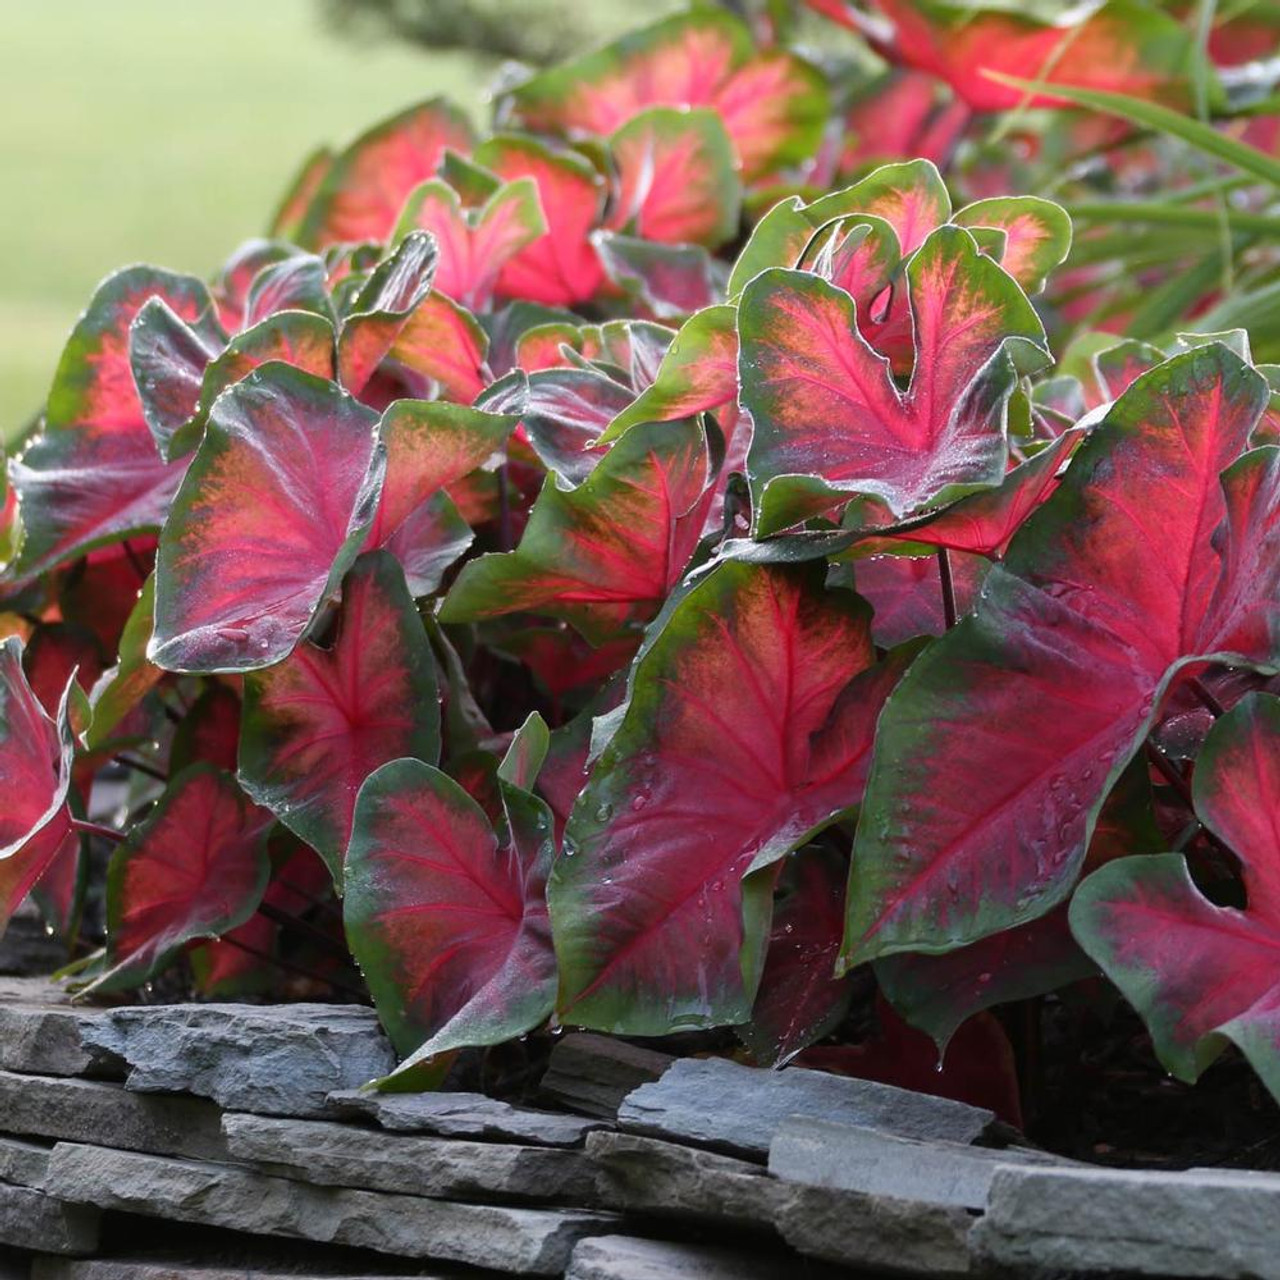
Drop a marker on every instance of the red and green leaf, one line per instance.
(755, 702)
(1125, 48)
(905, 593)
(301, 192)
(773, 104)
(563, 413)
(363, 191)
(603, 556)
(800, 999)
(298, 338)
(383, 307)
(1202, 974)
(985, 523)
(35, 778)
(430, 445)
(666, 281)
(829, 420)
(123, 686)
(677, 182)
(1008, 733)
(443, 341)
(698, 374)
(238, 963)
(559, 268)
(168, 357)
(474, 244)
(273, 511)
(319, 723)
(94, 475)
(1037, 235)
(197, 867)
(209, 732)
(938, 994)
(447, 919)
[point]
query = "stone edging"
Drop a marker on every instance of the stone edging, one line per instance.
(249, 1119)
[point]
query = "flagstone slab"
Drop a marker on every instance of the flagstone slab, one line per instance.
(514, 1240)
(351, 1156)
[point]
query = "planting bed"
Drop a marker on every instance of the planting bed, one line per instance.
(632, 632)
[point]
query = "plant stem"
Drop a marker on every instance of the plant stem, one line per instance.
(949, 613)
(1202, 691)
(87, 828)
(310, 898)
(1173, 776)
(141, 766)
(287, 921)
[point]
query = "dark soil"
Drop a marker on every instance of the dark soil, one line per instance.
(1104, 1098)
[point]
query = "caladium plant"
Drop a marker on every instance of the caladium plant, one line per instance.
(632, 569)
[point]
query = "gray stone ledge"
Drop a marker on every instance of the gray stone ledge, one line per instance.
(628, 1258)
(647, 1175)
(848, 1157)
(1220, 1224)
(725, 1106)
(876, 1233)
(106, 1114)
(147, 1269)
(349, 1156)
(465, 1115)
(593, 1074)
(31, 1219)
(521, 1241)
(23, 1164)
(41, 1032)
(270, 1059)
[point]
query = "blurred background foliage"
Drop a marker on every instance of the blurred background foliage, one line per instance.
(149, 130)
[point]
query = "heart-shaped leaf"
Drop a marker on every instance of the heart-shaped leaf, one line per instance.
(272, 513)
(474, 244)
(563, 412)
(667, 281)
(773, 105)
(829, 420)
(447, 919)
(698, 374)
(123, 686)
(443, 341)
(800, 999)
(168, 357)
(755, 702)
(995, 755)
(430, 445)
(1128, 48)
(316, 725)
(363, 191)
(195, 868)
(93, 475)
(559, 268)
(938, 994)
(677, 178)
(383, 307)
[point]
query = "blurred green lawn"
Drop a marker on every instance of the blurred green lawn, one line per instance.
(163, 131)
